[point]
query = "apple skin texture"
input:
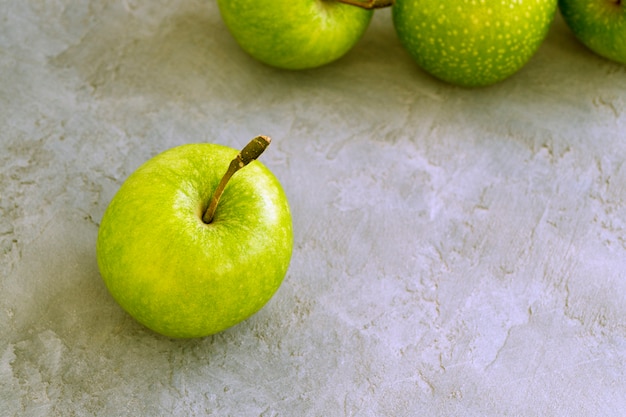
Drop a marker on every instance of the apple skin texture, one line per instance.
(599, 24)
(472, 43)
(176, 274)
(294, 34)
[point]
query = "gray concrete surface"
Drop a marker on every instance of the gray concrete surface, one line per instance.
(457, 252)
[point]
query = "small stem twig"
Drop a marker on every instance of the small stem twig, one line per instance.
(369, 4)
(248, 154)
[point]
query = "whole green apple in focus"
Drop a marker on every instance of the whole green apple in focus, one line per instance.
(598, 24)
(295, 34)
(179, 272)
(472, 43)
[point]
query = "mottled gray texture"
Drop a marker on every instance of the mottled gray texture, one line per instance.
(457, 252)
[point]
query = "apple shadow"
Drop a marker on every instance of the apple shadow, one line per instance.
(185, 56)
(59, 272)
(67, 331)
(57, 288)
(191, 56)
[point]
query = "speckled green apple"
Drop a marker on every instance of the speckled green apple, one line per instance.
(177, 274)
(598, 24)
(472, 42)
(295, 34)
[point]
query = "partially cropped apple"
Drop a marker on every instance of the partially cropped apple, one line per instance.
(188, 251)
(472, 43)
(598, 24)
(297, 34)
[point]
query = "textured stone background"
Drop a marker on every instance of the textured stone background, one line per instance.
(457, 252)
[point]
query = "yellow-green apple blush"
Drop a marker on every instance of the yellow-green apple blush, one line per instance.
(472, 43)
(189, 251)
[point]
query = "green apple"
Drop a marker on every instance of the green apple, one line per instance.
(472, 42)
(295, 34)
(598, 24)
(181, 271)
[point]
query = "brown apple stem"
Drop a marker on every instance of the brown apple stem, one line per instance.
(369, 4)
(248, 154)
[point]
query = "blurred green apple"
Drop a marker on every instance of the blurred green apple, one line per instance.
(598, 24)
(179, 274)
(472, 42)
(295, 34)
